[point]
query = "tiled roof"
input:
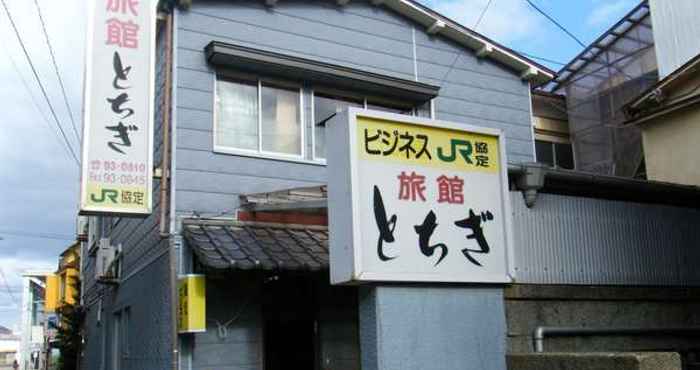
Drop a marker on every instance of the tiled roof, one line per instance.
(255, 245)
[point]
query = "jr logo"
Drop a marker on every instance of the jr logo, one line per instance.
(465, 151)
(106, 194)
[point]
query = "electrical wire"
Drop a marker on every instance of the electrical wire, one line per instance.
(33, 98)
(555, 23)
(7, 287)
(58, 73)
(481, 16)
(539, 58)
(27, 234)
(38, 80)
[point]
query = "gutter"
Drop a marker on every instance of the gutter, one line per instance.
(532, 178)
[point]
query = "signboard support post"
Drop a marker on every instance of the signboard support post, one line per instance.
(432, 327)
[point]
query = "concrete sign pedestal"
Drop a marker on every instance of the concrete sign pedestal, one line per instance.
(420, 327)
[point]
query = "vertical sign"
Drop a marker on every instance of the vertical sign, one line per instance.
(413, 199)
(192, 298)
(117, 156)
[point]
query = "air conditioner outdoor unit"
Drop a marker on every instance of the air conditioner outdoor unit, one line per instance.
(106, 254)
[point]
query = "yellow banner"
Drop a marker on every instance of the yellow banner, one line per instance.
(192, 305)
(384, 140)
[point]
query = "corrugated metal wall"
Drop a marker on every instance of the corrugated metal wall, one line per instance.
(575, 240)
(676, 31)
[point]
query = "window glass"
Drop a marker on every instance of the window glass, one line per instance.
(237, 114)
(545, 152)
(281, 120)
(325, 108)
(423, 110)
(565, 156)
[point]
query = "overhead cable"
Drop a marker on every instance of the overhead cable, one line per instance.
(38, 80)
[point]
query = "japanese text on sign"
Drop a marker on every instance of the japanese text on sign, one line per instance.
(427, 201)
(117, 135)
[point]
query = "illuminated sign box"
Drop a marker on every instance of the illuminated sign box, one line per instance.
(117, 147)
(192, 308)
(416, 200)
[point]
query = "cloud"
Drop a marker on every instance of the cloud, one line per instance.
(506, 21)
(38, 180)
(608, 12)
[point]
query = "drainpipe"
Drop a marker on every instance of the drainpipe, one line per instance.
(165, 173)
(541, 332)
(530, 181)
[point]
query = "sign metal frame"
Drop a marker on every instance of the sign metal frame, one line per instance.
(344, 212)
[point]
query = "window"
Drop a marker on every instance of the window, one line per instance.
(325, 108)
(555, 154)
(258, 117)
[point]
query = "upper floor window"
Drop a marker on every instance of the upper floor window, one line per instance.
(258, 117)
(265, 118)
(555, 154)
(327, 106)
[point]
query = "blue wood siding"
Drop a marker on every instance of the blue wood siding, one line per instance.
(359, 35)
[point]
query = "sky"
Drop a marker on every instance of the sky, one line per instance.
(39, 180)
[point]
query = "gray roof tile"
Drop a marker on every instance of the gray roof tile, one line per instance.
(253, 245)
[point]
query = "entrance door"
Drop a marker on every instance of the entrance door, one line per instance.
(289, 314)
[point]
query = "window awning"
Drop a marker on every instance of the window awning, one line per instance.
(240, 245)
(330, 75)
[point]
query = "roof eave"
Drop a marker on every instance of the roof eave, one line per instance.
(481, 45)
(436, 23)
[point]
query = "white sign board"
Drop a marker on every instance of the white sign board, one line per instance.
(416, 200)
(117, 156)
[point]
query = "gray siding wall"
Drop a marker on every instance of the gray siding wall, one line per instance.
(235, 304)
(144, 284)
(359, 35)
(575, 240)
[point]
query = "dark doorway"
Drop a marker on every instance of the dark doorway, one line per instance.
(290, 319)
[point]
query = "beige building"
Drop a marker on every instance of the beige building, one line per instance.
(669, 116)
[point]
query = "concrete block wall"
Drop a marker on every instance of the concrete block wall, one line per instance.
(596, 361)
(529, 306)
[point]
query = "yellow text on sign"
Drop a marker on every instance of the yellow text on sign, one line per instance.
(412, 144)
(192, 307)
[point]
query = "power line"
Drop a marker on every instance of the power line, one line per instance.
(555, 23)
(33, 97)
(58, 73)
(29, 234)
(478, 21)
(38, 80)
(7, 287)
(540, 58)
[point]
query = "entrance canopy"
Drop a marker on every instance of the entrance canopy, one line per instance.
(246, 245)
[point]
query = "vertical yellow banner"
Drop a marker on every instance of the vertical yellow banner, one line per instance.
(192, 306)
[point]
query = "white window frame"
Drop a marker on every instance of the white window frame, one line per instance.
(260, 153)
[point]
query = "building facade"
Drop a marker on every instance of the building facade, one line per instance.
(244, 90)
(667, 115)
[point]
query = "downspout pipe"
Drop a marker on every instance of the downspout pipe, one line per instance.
(541, 332)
